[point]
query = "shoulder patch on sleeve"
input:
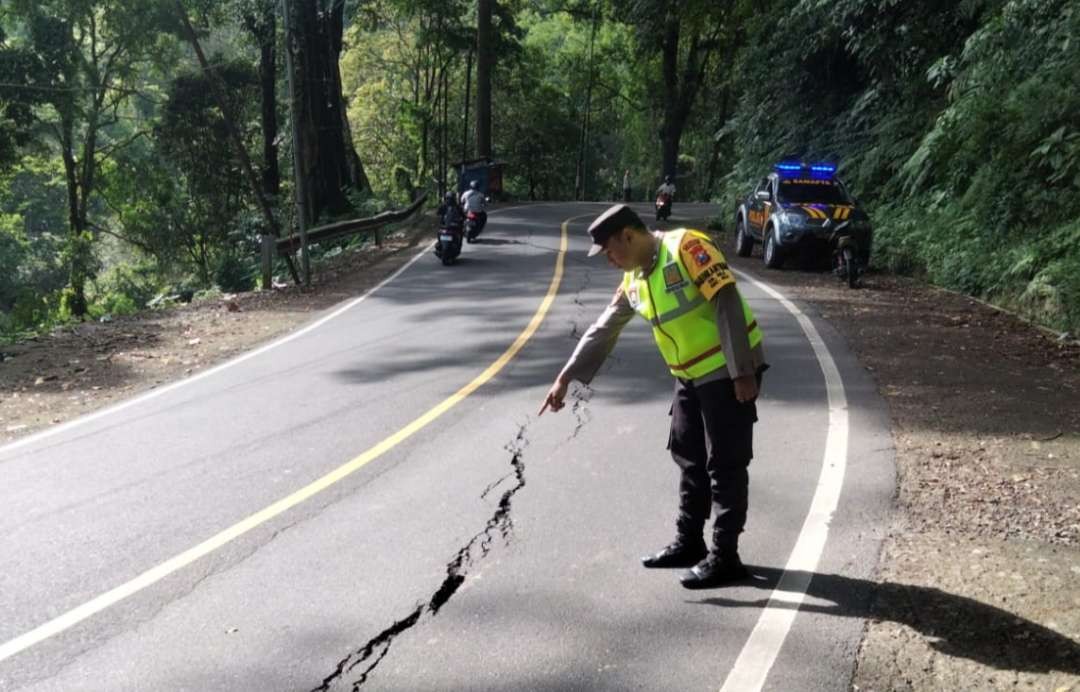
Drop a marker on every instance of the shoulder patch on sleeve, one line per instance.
(705, 263)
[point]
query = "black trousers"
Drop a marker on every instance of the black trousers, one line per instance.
(711, 440)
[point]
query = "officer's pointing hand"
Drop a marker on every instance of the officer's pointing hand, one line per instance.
(555, 396)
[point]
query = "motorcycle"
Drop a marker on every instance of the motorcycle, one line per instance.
(663, 206)
(448, 246)
(474, 223)
(847, 263)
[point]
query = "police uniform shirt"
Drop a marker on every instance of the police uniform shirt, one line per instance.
(599, 340)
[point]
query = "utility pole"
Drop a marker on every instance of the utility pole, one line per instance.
(299, 183)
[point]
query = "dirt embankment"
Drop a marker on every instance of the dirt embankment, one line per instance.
(77, 369)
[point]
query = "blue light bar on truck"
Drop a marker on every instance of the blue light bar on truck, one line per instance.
(795, 169)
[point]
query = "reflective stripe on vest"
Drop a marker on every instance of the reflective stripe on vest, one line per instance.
(683, 321)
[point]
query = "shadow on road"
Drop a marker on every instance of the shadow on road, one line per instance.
(497, 241)
(954, 625)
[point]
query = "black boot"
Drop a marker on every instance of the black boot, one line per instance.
(721, 566)
(683, 552)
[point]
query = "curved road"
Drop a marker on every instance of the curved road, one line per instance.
(459, 543)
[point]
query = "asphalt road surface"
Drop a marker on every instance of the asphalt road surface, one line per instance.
(373, 503)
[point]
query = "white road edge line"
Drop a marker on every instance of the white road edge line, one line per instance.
(762, 647)
(216, 369)
(153, 575)
(146, 396)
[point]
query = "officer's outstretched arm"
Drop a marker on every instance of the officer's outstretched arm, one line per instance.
(591, 351)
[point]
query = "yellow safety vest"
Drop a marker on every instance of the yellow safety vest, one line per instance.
(683, 321)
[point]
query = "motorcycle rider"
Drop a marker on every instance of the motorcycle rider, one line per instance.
(666, 188)
(473, 200)
(450, 212)
(451, 216)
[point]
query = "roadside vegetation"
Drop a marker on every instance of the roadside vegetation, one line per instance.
(958, 124)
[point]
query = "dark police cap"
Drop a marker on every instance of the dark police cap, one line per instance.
(609, 223)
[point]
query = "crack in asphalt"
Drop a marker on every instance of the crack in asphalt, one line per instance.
(494, 484)
(500, 524)
(375, 650)
(582, 395)
(575, 331)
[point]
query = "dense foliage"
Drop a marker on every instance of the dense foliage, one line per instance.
(958, 124)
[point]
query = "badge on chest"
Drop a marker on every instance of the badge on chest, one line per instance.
(673, 278)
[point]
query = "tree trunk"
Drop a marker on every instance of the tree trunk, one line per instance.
(426, 103)
(426, 134)
(266, 33)
(439, 131)
(76, 276)
(679, 93)
(670, 132)
(485, 60)
(79, 176)
(468, 96)
(446, 125)
(714, 159)
(328, 160)
(580, 184)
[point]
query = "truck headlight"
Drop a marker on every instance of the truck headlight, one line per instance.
(787, 218)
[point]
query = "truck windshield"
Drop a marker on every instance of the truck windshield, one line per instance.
(808, 191)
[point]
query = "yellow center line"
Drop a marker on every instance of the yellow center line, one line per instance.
(155, 574)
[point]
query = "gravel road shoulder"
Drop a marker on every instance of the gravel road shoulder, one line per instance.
(979, 579)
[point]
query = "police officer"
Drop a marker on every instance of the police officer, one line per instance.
(708, 337)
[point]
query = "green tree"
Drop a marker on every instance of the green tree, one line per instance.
(402, 71)
(19, 71)
(688, 35)
(32, 198)
(190, 136)
(88, 57)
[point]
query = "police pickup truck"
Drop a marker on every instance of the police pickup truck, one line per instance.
(797, 208)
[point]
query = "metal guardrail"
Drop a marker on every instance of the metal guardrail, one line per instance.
(288, 246)
(291, 244)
